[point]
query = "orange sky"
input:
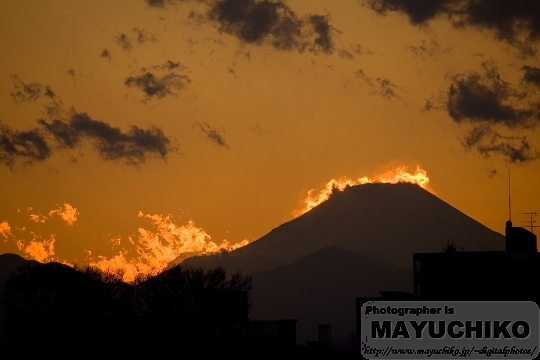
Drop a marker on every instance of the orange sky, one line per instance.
(199, 112)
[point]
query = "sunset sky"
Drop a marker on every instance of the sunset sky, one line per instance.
(124, 120)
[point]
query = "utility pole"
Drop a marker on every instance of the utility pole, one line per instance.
(509, 206)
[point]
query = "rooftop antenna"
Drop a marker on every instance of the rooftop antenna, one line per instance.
(509, 207)
(531, 220)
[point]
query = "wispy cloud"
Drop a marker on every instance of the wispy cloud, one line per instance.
(28, 145)
(29, 92)
(488, 141)
(381, 86)
(361, 74)
(123, 40)
(258, 130)
(531, 75)
(428, 49)
(105, 54)
(158, 81)
(387, 89)
(212, 134)
(143, 36)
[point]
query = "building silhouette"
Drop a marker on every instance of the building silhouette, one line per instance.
(473, 276)
(278, 333)
(481, 275)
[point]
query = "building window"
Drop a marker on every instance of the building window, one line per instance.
(417, 266)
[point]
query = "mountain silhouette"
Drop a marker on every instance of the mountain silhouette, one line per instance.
(321, 289)
(384, 222)
(9, 263)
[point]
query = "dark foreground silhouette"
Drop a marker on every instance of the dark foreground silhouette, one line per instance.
(55, 308)
(183, 312)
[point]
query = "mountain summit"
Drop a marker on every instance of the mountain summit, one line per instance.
(384, 222)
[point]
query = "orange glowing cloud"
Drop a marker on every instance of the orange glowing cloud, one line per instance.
(38, 218)
(5, 229)
(149, 251)
(39, 250)
(68, 213)
(398, 174)
(154, 250)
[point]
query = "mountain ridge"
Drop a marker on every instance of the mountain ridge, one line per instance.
(321, 288)
(385, 222)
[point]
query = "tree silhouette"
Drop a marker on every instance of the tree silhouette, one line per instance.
(87, 308)
(451, 247)
(191, 306)
(52, 302)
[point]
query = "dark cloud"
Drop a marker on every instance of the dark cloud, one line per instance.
(362, 75)
(265, 22)
(357, 49)
(323, 33)
(160, 3)
(197, 17)
(510, 19)
(156, 3)
(33, 91)
(350, 54)
(211, 133)
(428, 105)
(419, 11)
(426, 49)
(30, 92)
(124, 41)
(141, 36)
(254, 21)
(258, 130)
(387, 89)
(65, 135)
(160, 82)
(381, 86)
(490, 171)
(514, 21)
(157, 86)
(487, 98)
(436, 102)
(488, 142)
(134, 146)
(345, 54)
(105, 54)
(28, 145)
(532, 75)
(495, 110)
(170, 65)
(144, 36)
(53, 107)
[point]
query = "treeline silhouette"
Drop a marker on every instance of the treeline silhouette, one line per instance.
(54, 306)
